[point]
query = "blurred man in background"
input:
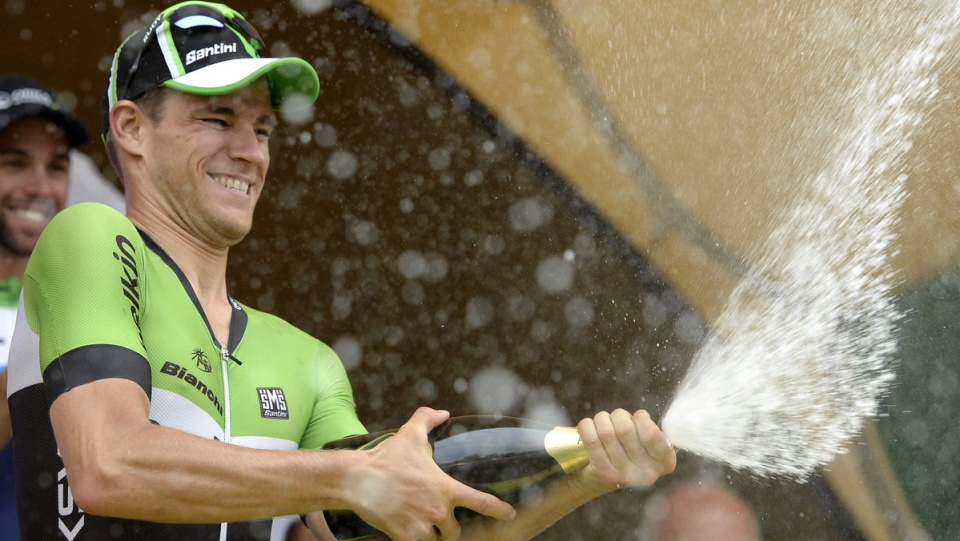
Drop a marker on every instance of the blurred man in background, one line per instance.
(36, 139)
(698, 510)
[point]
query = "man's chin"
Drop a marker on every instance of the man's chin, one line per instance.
(232, 234)
(19, 245)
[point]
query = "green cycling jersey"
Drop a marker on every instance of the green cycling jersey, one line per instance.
(102, 300)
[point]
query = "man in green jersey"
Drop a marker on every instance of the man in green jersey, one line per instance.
(173, 409)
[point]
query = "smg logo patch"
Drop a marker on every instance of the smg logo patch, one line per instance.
(273, 405)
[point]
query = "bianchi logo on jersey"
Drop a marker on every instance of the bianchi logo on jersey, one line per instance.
(273, 405)
(180, 372)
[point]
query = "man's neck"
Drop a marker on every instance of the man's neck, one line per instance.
(205, 269)
(12, 264)
(204, 266)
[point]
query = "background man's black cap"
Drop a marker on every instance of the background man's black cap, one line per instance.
(22, 97)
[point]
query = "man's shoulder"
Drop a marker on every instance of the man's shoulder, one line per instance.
(89, 210)
(83, 218)
(78, 233)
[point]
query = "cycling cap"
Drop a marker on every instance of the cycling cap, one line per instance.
(207, 49)
(22, 97)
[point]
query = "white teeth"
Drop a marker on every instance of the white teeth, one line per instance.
(32, 215)
(233, 184)
(39, 211)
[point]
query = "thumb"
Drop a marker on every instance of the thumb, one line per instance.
(425, 419)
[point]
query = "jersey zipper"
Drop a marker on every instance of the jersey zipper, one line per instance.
(227, 430)
(224, 363)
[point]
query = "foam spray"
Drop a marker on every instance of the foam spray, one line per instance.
(802, 351)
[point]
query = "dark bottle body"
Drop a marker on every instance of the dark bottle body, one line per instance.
(511, 458)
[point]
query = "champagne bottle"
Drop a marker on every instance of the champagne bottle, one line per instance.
(505, 456)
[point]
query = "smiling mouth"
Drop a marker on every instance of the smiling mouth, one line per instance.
(232, 183)
(40, 211)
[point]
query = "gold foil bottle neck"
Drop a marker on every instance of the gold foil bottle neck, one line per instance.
(566, 447)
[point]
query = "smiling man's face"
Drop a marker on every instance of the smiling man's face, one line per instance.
(205, 161)
(34, 167)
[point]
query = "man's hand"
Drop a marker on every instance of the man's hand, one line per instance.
(403, 492)
(625, 451)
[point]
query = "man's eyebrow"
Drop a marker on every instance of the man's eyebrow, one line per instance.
(216, 110)
(269, 119)
(14, 151)
(21, 153)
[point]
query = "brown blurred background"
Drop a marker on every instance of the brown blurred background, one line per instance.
(537, 208)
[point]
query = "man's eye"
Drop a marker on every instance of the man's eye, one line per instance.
(219, 122)
(13, 164)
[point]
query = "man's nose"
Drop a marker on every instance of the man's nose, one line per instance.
(40, 180)
(246, 145)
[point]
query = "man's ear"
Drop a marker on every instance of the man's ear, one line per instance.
(126, 125)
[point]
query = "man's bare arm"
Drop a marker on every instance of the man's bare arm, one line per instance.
(120, 464)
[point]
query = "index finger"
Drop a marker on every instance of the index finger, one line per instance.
(482, 502)
(655, 442)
